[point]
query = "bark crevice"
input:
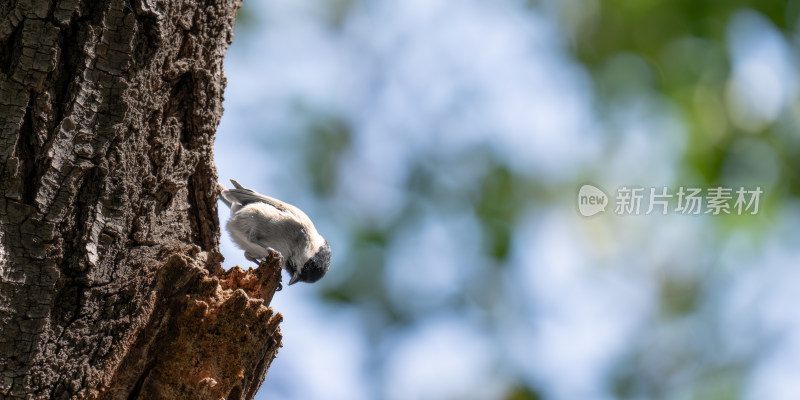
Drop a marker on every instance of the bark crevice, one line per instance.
(9, 50)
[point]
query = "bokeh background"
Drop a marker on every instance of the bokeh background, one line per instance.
(439, 146)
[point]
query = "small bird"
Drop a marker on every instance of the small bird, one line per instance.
(259, 223)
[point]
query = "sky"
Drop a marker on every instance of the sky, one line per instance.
(421, 122)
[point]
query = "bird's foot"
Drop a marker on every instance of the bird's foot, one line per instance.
(273, 254)
(252, 258)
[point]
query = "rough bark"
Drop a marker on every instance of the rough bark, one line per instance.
(110, 276)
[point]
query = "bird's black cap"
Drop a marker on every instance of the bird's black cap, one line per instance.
(315, 268)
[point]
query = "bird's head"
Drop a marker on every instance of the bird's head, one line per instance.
(315, 268)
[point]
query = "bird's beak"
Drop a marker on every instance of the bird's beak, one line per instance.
(295, 278)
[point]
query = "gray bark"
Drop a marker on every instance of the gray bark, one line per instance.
(110, 276)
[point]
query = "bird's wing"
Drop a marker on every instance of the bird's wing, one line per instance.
(267, 226)
(246, 196)
(242, 196)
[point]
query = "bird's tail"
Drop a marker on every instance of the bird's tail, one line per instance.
(237, 184)
(222, 189)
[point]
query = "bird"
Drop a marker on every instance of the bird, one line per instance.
(260, 223)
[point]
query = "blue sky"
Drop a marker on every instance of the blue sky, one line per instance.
(442, 81)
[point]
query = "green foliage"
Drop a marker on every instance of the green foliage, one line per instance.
(679, 296)
(672, 53)
(326, 143)
(523, 393)
(245, 18)
(497, 206)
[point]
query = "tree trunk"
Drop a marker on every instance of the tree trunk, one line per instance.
(110, 279)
